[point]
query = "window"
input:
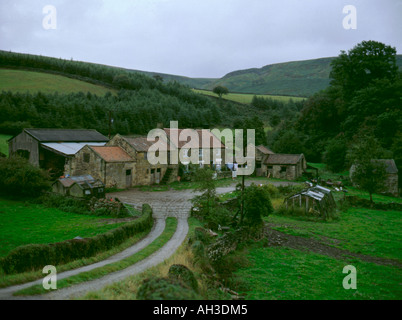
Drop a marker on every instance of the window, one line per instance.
(283, 169)
(87, 157)
(128, 172)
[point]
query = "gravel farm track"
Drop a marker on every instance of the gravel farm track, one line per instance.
(171, 203)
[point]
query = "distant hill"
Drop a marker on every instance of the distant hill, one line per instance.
(296, 78)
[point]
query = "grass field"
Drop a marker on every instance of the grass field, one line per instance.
(369, 240)
(246, 98)
(23, 223)
(4, 144)
(29, 81)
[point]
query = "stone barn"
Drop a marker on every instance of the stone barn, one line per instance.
(110, 164)
(391, 182)
(146, 173)
(285, 166)
(50, 148)
(261, 155)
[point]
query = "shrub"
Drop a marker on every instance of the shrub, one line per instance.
(257, 204)
(184, 274)
(272, 190)
(18, 177)
(165, 289)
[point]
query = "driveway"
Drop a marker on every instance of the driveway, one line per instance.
(172, 203)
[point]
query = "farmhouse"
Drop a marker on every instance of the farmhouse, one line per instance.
(50, 148)
(110, 164)
(391, 181)
(211, 150)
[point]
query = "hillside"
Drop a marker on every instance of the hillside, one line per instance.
(295, 78)
(29, 81)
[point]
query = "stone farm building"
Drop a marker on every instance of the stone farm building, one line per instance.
(49, 149)
(277, 165)
(391, 182)
(110, 164)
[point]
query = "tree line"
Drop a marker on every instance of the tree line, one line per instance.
(363, 102)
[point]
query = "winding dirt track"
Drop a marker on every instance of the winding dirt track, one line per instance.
(164, 204)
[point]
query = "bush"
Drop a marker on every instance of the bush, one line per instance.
(63, 203)
(36, 256)
(165, 289)
(20, 178)
(272, 190)
(184, 274)
(218, 216)
(257, 204)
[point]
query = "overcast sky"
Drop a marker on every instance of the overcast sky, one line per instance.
(195, 38)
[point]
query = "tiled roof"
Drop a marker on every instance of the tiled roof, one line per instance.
(66, 135)
(193, 144)
(278, 158)
(112, 154)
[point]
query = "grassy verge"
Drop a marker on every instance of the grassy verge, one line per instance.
(14, 279)
(127, 289)
(25, 223)
(171, 224)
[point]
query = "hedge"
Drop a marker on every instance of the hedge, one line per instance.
(36, 256)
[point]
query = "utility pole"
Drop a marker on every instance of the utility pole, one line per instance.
(110, 122)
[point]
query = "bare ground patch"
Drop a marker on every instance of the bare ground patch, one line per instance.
(277, 238)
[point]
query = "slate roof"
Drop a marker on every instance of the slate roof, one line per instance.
(112, 154)
(85, 179)
(390, 166)
(180, 144)
(264, 149)
(66, 135)
(278, 158)
(141, 144)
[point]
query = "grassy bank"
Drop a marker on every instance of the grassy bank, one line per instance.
(171, 224)
(25, 223)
